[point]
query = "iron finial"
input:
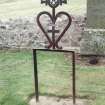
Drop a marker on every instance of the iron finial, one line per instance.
(53, 3)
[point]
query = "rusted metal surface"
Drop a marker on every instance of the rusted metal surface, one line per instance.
(53, 41)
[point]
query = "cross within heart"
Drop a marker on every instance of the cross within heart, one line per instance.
(53, 43)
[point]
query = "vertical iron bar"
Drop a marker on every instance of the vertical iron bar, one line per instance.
(53, 27)
(73, 81)
(36, 74)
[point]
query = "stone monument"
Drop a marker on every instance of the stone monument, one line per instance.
(93, 40)
(96, 13)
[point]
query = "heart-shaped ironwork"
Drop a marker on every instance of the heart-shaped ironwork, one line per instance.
(53, 19)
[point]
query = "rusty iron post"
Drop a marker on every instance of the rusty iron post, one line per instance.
(74, 75)
(36, 74)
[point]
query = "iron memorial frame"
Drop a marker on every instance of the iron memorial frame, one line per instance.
(53, 41)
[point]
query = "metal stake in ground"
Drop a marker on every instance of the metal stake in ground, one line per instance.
(53, 41)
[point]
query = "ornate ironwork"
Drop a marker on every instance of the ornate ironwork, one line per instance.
(53, 3)
(53, 41)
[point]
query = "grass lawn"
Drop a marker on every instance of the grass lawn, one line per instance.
(17, 81)
(20, 8)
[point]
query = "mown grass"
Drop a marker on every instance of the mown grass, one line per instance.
(20, 8)
(16, 78)
(17, 81)
(55, 78)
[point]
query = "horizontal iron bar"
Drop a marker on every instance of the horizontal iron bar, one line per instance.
(56, 31)
(67, 51)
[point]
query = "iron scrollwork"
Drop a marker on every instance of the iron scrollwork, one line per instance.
(53, 3)
(53, 42)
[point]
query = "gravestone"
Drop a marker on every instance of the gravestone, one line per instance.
(93, 40)
(96, 13)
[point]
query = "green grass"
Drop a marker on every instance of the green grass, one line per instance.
(91, 84)
(17, 75)
(20, 8)
(16, 71)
